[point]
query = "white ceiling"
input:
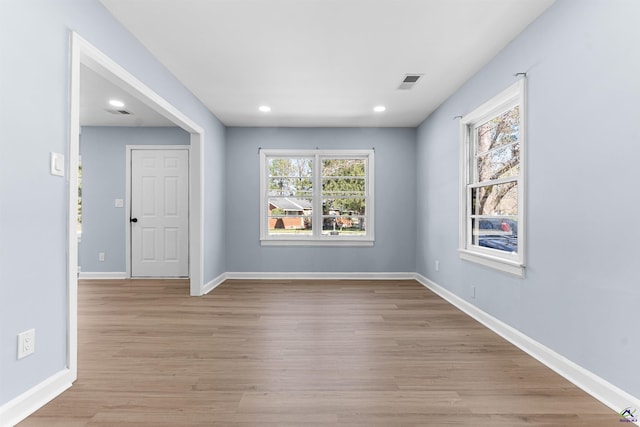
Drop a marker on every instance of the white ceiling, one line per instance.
(324, 62)
(95, 94)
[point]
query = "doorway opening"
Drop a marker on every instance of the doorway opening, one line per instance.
(83, 54)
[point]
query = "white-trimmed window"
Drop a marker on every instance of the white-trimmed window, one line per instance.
(492, 182)
(316, 197)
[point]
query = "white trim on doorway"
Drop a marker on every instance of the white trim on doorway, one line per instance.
(82, 52)
(85, 53)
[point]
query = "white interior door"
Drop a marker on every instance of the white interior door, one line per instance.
(159, 213)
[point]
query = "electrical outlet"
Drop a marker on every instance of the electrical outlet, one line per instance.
(101, 256)
(437, 265)
(26, 343)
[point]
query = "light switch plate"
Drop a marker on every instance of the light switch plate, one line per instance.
(57, 164)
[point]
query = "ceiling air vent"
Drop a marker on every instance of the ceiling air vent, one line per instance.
(409, 81)
(119, 112)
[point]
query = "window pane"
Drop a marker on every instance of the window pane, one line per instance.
(343, 216)
(340, 186)
(344, 206)
(289, 215)
(501, 163)
(291, 166)
(495, 200)
(286, 186)
(498, 132)
(495, 233)
(290, 176)
(343, 167)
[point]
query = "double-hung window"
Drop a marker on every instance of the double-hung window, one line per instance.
(316, 197)
(492, 182)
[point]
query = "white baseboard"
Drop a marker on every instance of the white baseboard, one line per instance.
(599, 388)
(102, 275)
(319, 276)
(211, 285)
(16, 410)
(208, 287)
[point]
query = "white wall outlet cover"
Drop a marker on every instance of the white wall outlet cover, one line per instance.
(57, 164)
(119, 203)
(26, 343)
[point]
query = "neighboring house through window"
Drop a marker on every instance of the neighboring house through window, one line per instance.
(316, 197)
(492, 182)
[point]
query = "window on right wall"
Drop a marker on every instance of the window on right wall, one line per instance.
(492, 142)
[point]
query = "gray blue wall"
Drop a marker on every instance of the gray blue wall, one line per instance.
(581, 294)
(395, 218)
(34, 117)
(103, 151)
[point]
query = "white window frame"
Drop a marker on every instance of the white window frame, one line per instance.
(317, 238)
(496, 259)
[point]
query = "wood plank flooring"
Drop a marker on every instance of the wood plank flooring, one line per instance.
(301, 353)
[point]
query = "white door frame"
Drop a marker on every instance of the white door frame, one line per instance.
(127, 210)
(82, 52)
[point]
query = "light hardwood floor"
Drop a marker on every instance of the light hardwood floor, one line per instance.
(299, 353)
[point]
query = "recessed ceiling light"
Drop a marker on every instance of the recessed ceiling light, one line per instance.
(116, 103)
(264, 108)
(379, 108)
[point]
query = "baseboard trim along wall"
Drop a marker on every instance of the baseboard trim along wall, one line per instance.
(599, 388)
(319, 276)
(211, 285)
(102, 275)
(16, 410)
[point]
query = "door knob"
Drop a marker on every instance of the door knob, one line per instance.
(133, 219)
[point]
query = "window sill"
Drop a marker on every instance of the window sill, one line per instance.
(300, 242)
(504, 265)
